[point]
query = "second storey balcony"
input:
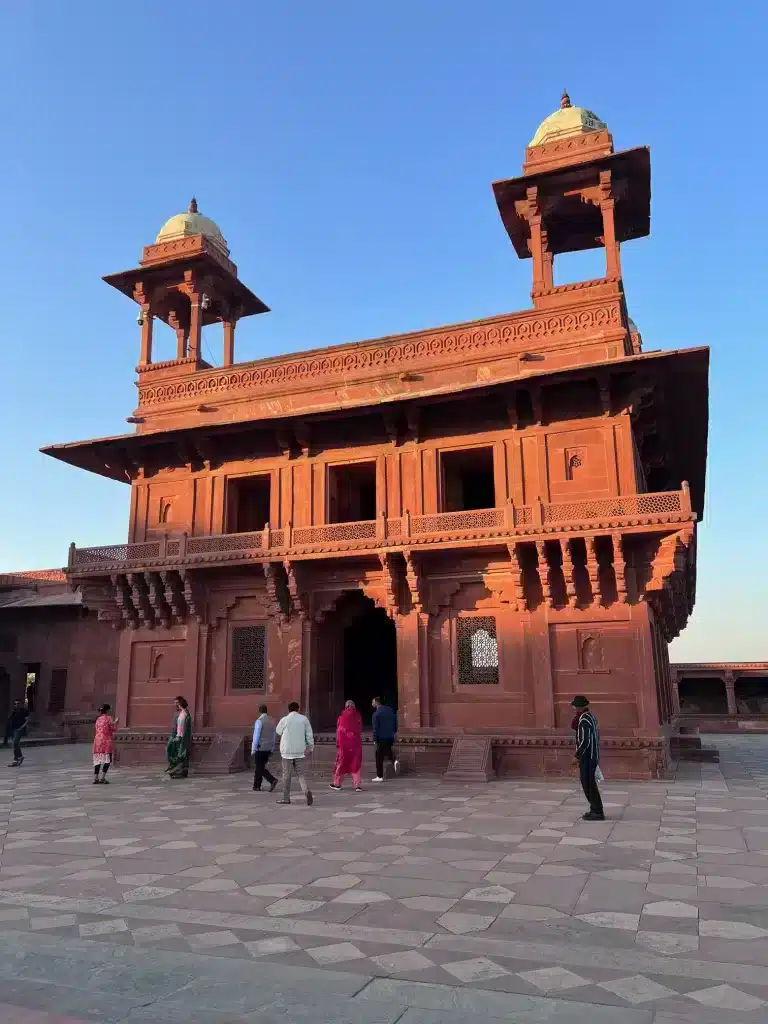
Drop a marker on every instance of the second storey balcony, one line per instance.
(482, 528)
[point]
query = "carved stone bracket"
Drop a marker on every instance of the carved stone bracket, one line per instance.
(284, 441)
(544, 569)
(392, 426)
(124, 600)
(302, 433)
(441, 595)
(413, 580)
(593, 571)
(569, 573)
(620, 567)
(671, 587)
(99, 595)
(299, 601)
(413, 419)
(193, 595)
(160, 606)
(174, 595)
(518, 577)
(390, 583)
(277, 592)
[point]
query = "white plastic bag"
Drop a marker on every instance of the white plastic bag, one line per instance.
(599, 777)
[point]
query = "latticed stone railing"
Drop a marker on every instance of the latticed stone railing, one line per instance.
(402, 531)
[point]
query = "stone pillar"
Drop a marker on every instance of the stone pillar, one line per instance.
(645, 691)
(147, 320)
(536, 241)
(409, 675)
(304, 672)
(195, 327)
(292, 636)
(124, 677)
(730, 693)
(196, 681)
(675, 695)
(229, 342)
(541, 664)
(607, 209)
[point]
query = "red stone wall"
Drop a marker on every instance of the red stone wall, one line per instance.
(579, 455)
(61, 639)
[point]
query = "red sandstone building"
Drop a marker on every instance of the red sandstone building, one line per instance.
(475, 521)
(54, 652)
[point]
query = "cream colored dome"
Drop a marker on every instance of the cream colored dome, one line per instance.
(566, 121)
(192, 223)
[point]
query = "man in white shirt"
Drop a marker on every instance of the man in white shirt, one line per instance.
(296, 740)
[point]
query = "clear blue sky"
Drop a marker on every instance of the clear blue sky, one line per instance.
(347, 151)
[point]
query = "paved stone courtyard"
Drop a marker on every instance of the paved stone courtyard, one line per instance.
(412, 902)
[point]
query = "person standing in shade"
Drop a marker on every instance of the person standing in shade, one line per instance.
(180, 741)
(16, 728)
(296, 741)
(588, 756)
(262, 748)
(349, 747)
(103, 744)
(384, 736)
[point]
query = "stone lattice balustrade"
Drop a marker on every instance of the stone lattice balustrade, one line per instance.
(402, 531)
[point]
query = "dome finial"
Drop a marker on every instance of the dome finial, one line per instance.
(565, 100)
(193, 205)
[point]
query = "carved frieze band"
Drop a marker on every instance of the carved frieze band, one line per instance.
(599, 570)
(411, 349)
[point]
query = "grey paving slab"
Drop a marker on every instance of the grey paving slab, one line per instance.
(199, 902)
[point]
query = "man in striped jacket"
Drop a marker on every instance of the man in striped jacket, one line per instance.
(588, 756)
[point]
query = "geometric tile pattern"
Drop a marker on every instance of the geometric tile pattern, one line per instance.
(499, 888)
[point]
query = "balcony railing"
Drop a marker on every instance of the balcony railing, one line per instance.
(401, 531)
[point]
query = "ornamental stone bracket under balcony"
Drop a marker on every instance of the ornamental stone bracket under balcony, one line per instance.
(482, 527)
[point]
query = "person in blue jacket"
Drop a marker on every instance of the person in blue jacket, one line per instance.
(384, 736)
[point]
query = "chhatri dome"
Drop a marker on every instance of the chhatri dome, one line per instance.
(566, 121)
(192, 223)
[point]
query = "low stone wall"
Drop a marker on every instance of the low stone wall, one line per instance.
(741, 723)
(628, 758)
(139, 748)
(428, 754)
(79, 727)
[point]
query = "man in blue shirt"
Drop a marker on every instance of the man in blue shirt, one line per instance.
(262, 748)
(384, 736)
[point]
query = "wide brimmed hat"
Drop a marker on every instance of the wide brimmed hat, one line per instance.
(579, 702)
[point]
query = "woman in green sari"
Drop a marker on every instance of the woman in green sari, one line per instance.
(180, 741)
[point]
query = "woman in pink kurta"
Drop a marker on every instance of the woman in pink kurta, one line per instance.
(103, 744)
(349, 746)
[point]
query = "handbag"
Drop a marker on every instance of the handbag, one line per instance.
(599, 777)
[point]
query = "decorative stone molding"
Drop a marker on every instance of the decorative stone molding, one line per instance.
(396, 354)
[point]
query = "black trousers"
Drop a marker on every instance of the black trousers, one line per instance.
(589, 785)
(17, 743)
(383, 753)
(260, 768)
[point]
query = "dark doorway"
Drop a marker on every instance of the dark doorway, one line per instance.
(248, 503)
(370, 661)
(31, 683)
(352, 493)
(57, 698)
(751, 694)
(468, 480)
(706, 696)
(356, 660)
(5, 695)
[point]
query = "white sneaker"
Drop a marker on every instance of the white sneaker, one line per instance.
(396, 766)
(377, 779)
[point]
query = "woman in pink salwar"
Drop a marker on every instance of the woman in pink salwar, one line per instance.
(103, 744)
(349, 747)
